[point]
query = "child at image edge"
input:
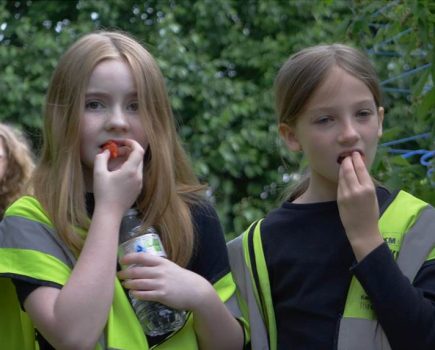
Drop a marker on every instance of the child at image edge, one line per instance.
(59, 247)
(342, 263)
(16, 165)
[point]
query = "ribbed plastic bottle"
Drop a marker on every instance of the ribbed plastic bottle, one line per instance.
(155, 318)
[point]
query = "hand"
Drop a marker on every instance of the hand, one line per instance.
(119, 188)
(158, 279)
(358, 206)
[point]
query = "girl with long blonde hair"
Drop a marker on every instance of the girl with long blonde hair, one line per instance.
(107, 88)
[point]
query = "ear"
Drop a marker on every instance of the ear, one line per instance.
(380, 120)
(288, 135)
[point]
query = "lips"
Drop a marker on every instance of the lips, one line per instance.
(112, 147)
(348, 154)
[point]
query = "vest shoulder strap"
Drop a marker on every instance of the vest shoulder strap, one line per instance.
(255, 258)
(247, 291)
(419, 240)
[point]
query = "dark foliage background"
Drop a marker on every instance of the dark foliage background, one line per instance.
(220, 58)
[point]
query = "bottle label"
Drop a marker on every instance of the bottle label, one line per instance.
(147, 243)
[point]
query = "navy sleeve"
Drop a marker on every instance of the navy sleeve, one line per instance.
(210, 256)
(405, 311)
(25, 286)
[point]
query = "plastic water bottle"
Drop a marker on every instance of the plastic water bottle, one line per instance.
(155, 318)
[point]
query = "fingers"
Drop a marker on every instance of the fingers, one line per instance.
(138, 272)
(139, 260)
(134, 157)
(347, 175)
(101, 160)
(142, 284)
(146, 278)
(136, 153)
(353, 170)
(130, 150)
(360, 169)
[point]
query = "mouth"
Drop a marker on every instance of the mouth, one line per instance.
(113, 147)
(343, 155)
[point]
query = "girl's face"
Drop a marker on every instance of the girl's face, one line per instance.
(340, 117)
(111, 113)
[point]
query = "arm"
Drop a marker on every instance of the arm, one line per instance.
(215, 326)
(406, 311)
(75, 316)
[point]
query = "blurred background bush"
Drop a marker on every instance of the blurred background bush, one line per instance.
(219, 58)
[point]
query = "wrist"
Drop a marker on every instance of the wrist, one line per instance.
(203, 298)
(108, 210)
(363, 246)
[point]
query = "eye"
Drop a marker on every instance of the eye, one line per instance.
(93, 105)
(133, 106)
(364, 113)
(324, 119)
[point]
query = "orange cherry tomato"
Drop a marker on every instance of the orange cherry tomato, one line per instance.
(112, 147)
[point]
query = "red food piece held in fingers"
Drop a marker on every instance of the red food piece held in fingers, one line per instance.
(112, 147)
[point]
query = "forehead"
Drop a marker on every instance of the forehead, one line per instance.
(337, 89)
(111, 72)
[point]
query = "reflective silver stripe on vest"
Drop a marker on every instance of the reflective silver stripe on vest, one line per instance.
(418, 243)
(233, 306)
(22, 233)
(361, 334)
(244, 284)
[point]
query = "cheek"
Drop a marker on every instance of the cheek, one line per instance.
(317, 142)
(83, 138)
(143, 140)
(140, 135)
(371, 153)
(87, 139)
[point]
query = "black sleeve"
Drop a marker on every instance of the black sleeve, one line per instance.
(210, 256)
(405, 311)
(25, 287)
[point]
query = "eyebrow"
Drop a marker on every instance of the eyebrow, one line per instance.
(88, 94)
(333, 108)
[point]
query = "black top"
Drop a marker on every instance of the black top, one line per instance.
(210, 257)
(310, 264)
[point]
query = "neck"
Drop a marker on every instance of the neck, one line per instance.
(319, 190)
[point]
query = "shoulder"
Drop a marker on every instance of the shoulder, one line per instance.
(30, 208)
(282, 216)
(203, 208)
(206, 225)
(32, 244)
(210, 258)
(400, 201)
(204, 217)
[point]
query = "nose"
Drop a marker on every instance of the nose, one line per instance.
(348, 133)
(117, 120)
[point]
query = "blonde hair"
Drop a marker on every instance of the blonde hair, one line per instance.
(169, 187)
(303, 72)
(19, 158)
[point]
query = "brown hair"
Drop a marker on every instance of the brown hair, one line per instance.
(19, 160)
(303, 72)
(169, 187)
